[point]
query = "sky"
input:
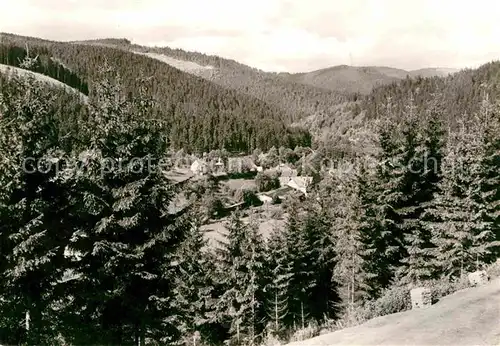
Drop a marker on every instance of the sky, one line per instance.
(280, 35)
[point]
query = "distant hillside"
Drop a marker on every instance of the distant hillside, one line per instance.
(295, 99)
(199, 115)
(352, 79)
(433, 72)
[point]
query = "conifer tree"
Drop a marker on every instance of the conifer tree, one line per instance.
(464, 233)
(389, 176)
(278, 286)
(456, 207)
(348, 247)
(375, 260)
(241, 264)
(301, 258)
(31, 203)
(489, 116)
(317, 228)
(193, 289)
(123, 233)
(421, 185)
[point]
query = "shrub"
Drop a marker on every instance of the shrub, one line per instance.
(266, 182)
(250, 198)
(443, 287)
(395, 299)
(306, 333)
(493, 270)
(276, 200)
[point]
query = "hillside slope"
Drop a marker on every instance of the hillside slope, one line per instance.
(7, 70)
(467, 317)
(199, 115)
(363, 79)
(297, 100)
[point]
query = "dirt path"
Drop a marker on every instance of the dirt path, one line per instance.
(467, 317)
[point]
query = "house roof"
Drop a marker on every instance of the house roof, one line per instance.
(300, 182)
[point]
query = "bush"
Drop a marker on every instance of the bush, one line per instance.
(394, 299)
(276, 200)
(213, 206)
(250, 198)
(443, 287)
(306, 333)
(493, 270)
(266, 182)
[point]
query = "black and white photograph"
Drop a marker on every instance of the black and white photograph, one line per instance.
(249, 173)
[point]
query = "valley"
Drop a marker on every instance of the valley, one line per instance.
(158, 196)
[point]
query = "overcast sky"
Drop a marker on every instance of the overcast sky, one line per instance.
(280, 35)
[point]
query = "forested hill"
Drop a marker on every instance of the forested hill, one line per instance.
(297, 100)
(199, 115)
(361, 79)
(453, 97)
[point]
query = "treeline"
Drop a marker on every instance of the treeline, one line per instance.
(349, 125)
(45, 64)
(297, 100)
(458, 94)
(199, 116)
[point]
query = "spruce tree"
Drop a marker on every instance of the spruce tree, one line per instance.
(317, 228)
(489, 116)
(31, 203)
(278, 285)
(122, 232)
(301, 258)
(241, 263)
(193, 289)
(456, 209)
(376, 271)
(348, 247)
(389, 179)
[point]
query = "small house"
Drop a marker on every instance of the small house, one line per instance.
(265, 198)
(300, 183)
(219, 168)
(199, 167)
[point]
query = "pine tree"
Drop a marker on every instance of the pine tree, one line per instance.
(241, 264)
(489, 116)
(193, 288)
(31, 202)
(123, 233)
(278, 287)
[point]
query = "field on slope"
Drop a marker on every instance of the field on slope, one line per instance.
(467, 317)
(5, 69)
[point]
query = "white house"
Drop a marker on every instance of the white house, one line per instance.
(300, 183)
(265, 198)
(219, 168)
(199, 167)
(286, 174)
